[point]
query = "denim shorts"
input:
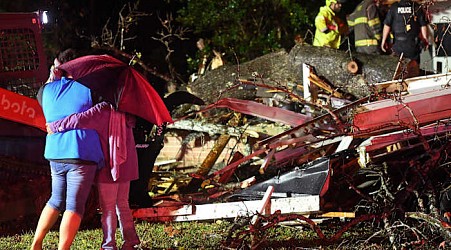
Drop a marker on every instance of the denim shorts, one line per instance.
(71, 184)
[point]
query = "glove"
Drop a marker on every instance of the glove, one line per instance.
(331, 27)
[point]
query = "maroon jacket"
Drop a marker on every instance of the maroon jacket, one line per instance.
(98, 118)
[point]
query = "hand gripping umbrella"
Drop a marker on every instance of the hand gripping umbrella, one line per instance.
(119, 84)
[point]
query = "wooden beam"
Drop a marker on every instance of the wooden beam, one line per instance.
(338, 215)
(302, 205)
(323, 85)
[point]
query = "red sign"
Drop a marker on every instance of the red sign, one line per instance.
(21, 109)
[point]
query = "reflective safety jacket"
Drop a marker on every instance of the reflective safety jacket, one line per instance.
(329, 28)
(367, 27)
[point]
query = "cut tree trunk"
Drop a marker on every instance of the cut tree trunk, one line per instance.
(332, 65)
(272, 69)
(284, 69)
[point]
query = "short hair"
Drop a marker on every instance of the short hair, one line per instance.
(66, 55)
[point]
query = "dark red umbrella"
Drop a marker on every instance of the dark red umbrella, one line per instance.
(119, 84)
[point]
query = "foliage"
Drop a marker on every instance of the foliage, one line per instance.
(247, 29)
(241, 30)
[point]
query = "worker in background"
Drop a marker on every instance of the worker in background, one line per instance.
(203, 55)
(329, 27)
(406, 21)
(367, 26)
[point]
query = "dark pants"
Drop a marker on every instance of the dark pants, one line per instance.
(409, 46)
(147, 154)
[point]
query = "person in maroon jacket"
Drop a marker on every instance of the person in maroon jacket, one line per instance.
(115, 130)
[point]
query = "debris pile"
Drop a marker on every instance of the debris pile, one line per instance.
(308, 148)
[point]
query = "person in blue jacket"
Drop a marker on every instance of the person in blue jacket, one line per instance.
(74, 156)
(115, 130)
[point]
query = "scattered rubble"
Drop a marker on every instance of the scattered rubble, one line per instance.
(379, 156)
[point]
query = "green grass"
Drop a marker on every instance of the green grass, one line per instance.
(171, 235)
(202, 235)
(182, 235)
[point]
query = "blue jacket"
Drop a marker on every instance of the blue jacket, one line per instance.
(60, 99)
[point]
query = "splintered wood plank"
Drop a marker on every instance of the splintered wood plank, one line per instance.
(338, 215)
(265, 204)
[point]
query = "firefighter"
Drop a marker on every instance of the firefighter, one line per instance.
(367, 26)
(329, 27)
(406, 21)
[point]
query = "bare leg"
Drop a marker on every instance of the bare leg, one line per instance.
(46, 221)
(68, 229)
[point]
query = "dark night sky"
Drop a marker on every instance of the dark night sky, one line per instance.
(96, 12)
(89, 16)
